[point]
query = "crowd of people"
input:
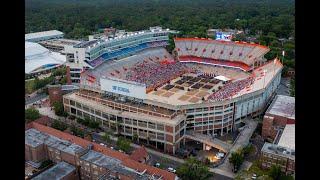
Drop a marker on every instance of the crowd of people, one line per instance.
(154, 73)
(230, 89)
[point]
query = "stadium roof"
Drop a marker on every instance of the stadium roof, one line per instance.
(288, 137)
(58, 171)
(283, 106)
(42, 34)
(38, 58)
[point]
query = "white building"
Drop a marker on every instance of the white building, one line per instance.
(38, 59)
(44, 35)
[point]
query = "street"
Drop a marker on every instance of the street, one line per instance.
(284, 87)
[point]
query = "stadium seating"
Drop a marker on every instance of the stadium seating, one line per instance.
(230, 89)
(120, 53)
(220, 50)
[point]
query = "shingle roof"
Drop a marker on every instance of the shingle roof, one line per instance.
(139, 154)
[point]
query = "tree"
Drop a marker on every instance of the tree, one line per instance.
(59, 109)
(123, 144)
(31, 114)
(275, 172)
(59, 125)
(292, 87)
(236, 160)
(106, 137)
(76, 131)
(193, 169)
(135, 137)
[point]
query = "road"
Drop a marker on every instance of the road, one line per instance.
(284, 87)
(226, 168)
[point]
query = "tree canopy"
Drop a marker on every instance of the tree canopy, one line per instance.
(193, 169)
(79, 18)
(31, 114)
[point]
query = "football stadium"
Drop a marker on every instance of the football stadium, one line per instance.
(137, 88)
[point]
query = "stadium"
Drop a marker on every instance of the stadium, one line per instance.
(137, 88)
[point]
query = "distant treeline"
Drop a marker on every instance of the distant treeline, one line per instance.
(78, 18)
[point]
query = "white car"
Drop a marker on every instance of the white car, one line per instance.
(112, 147)
(120, 151)
(217, 156)
(170, 169)
(157, 164)
(101, 144)
(221, 154)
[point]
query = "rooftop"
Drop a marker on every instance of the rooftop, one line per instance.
(283, 106)
(126, 161)
(288, 137)
(35, 138)
(61, 42)
(58, 171)
(100, 159)
(42, 34)
(139, 154)
(278, 150)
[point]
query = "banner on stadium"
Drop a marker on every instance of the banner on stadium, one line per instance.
(223, 36)
(123, 87)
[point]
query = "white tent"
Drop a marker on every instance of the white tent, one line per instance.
(222, 78)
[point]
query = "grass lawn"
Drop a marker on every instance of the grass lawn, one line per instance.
(29, 86)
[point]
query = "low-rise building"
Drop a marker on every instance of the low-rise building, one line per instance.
(282, 153)
(92, 160)
(44, 35)
(280, 113)
(60, 171)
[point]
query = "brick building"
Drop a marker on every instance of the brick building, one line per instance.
(55, 93)
(60, 171)
(282, 152)
(91, 160)
(280, 113)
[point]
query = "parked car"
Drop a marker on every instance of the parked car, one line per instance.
(219, 155)
(170, 169)
(254, 176)
(157, 164)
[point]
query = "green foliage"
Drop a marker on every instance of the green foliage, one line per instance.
(59, 109)
(89, 123)
(40, 83)
(31, 114)
(59, 71)
(236, 159)
(45, 163)
(123, 144)
(106, 137)
(29, 86)
(193, 169)
(275, 172)
(59, 125)
(135, 136)
(293, 87)
(248, 149)
(77, 132)
(192, 18)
